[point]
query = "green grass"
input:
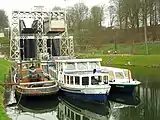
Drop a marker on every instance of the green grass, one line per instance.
(4, 68)
(137, 60)
(4, 50)
(4, 40)
(137, 49)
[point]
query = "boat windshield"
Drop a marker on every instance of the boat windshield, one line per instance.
(82, 66)
(94, 65)
(70, 66)
(119, 75)
(111, 75)
(127, 73)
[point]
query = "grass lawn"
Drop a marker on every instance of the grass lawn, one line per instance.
(137, 60)
(138, 57)
(137, 49)
(4, 68)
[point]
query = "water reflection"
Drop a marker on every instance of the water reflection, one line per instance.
(149, 95)
(69, 109)
(65, 108)
(41, 108)
(150, 108)
(122, 103)
(125, 99)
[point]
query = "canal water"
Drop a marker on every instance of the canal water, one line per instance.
(144, 104)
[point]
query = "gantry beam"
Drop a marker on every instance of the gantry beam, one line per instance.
(66, 42)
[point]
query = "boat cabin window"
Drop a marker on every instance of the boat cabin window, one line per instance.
(99, 78)
(85, 80)
(85, 118)
(67, 79)
(105, 77)
(68, 114)
(71, 79)
(127, 73)
(119, 75)
(65, 110)
(70, 66)
(94, 65)
(77, 80)
(111, 75)
(82, 66)
(72, 115)
(78, 117)
(64, 78)
(94, 80)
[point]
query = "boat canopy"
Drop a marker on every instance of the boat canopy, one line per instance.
(72, 65)
(117, 73)
(80, 60)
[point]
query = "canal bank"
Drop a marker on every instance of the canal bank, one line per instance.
(4, 68)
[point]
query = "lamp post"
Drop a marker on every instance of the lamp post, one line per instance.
(145, 24)
(115, 39)
(145, 36)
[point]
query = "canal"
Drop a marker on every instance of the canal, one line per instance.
(144, 104)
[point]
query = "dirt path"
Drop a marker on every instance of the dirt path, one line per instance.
(118, 54)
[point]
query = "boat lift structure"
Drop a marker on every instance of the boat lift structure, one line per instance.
(39, 34)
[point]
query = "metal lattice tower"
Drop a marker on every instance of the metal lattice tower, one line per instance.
(15, 42)
(66, 42)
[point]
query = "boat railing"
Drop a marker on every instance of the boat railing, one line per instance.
(36, 83)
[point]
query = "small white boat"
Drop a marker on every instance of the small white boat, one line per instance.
(120, 79)
(77, 79)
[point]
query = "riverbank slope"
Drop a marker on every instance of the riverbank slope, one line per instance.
(126, 59)
(4, 69)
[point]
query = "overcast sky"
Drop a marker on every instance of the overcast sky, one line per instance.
(9, 5)
(23, 4)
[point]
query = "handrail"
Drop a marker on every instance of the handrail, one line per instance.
(30, 83)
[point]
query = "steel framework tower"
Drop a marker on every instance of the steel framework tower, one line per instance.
(66, 42)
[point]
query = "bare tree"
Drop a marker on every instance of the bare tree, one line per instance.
(97, 15)
(3, 20)
(112, 15)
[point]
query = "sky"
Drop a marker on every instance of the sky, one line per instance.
(9, 5)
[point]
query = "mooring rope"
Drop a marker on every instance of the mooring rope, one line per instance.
(18, 103)
(19, 99)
